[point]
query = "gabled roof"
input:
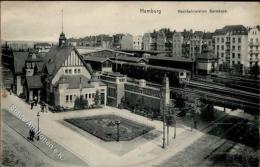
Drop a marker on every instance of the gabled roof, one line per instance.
(198, 33)
(57, 56)
(74, 81)
(96, 59)
(19, 61)
(34, 82)
(207, 35)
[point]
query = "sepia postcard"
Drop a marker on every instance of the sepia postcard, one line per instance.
(129, 84)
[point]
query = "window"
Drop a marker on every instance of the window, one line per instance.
(89, 95)
(86, 96)
(66, 71)
(238, 62)
(93, 95)
(239, 47)
(234, 40)
(233, 62)
(217, 47)
(222, 39)
(217, 39)
(70, 71)
(67, 98)
(238, 55)
(75, 70)
(78, 70)
(239, 40)
(233, 55)
(222, 47)
(70, 97)
(233, 47)
(222, 54)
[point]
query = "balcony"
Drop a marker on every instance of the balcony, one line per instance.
(251, 51)
(253, 43)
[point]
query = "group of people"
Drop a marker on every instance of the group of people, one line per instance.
(34, 103)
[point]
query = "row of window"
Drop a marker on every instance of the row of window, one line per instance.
(228, 39)
(233, 62)
(256, 55)
(233, 55)
(87, 96)
(233, 47)
(69, 71)
(252, 40)
(256, 47)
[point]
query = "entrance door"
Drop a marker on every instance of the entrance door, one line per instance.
(102, 98)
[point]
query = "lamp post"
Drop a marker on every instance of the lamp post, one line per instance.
(38, 116)
(117, 122)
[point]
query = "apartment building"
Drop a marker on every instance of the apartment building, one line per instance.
(231, 46)
(253, 46)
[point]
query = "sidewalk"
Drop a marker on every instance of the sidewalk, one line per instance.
(62, 157)
(97, 153)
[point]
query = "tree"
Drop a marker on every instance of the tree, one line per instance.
(80, 103)
(254, 70)
(193, 107)
(97, 98)
(123, 102)
(171, 116)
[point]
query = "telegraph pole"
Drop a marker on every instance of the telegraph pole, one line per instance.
(163, 145)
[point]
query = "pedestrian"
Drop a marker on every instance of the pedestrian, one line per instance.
(42, 108)
(33, 134)
(35, 100)
(32, 105)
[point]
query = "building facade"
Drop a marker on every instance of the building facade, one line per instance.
(196, 44)
(231, 46)
(177, 42)
(147, 40)
(68, 78)
(138, 42)
(127, 42)
(160, 41)
(253, 46)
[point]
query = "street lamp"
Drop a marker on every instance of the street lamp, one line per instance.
(117, 122)
(38, 116)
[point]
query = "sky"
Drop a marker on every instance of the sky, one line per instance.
(41, 21)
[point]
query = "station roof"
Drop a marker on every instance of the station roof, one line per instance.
(174, 58)
(96, 59)
(130, 59)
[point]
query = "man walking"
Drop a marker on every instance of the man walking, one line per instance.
(32, 103)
